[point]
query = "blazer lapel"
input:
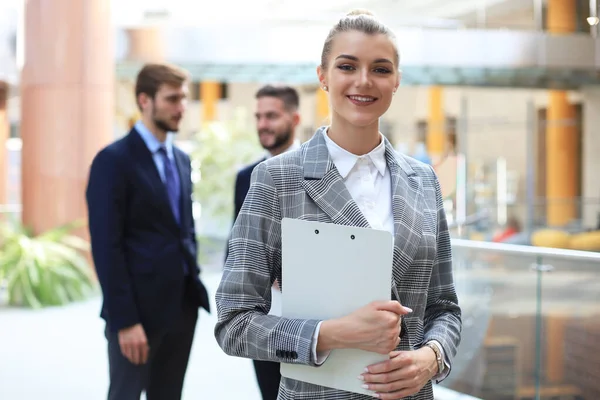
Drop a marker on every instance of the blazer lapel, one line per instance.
(326, 187)
(407, 207)
(150, 173)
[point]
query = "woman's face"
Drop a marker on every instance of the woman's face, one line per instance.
(361, 77)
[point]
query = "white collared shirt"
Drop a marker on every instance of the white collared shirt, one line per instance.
(154, 145)
(368, 180)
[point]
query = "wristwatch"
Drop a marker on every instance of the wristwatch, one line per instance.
(438, 355)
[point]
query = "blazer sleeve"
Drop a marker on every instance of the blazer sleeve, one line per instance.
(243, 298)
(442, 321)
(106, 200)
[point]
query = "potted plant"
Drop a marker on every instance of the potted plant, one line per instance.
(49, 269)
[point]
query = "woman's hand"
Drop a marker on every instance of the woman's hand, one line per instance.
(404, 374)
(374, 327)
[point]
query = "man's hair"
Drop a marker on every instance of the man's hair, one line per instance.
(151, 76)
(287, 94)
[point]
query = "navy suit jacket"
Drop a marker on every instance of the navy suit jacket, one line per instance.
(138, 248)
(242, 185)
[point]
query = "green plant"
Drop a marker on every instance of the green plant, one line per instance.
(220, 149)
(44, 270)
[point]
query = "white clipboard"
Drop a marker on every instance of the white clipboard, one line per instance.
(329, 271)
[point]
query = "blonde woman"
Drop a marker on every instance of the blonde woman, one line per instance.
(349, 174)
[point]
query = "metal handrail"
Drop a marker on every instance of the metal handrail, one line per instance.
(471, 219)
(517, 249)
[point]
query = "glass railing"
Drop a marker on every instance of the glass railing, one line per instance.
(531, 322)
(531, 224)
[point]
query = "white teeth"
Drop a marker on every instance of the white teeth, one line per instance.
(361, 98)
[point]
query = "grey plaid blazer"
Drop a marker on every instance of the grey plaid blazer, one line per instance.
(305, 184)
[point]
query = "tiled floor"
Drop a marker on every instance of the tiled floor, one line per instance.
(59, 354)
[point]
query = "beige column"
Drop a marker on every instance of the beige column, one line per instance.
(563, 164)
(322, 108)
(4, 130)
(436, 126)
(67, 105)
(210, 94)
(145, 44)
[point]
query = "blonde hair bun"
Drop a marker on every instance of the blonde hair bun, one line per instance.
(360, 11)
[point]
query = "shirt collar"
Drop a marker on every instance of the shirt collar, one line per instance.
(344, 160)
(152, 142)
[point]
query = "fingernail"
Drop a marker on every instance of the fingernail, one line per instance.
(367, 370)
(365, 386)
(408, 309)
(361, 378)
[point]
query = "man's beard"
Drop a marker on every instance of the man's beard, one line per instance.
(162, 124)
(280, 140)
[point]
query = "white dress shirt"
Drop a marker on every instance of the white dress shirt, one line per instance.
(154, 145)
(368, 180)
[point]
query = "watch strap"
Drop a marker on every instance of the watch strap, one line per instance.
(438, 355)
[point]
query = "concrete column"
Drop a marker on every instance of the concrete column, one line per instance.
(436, 135)
(210, 94)
(562, 142)
(562, 160)
(561, 16)
(322, 107)
(67, 105)
(145, 44)
(590, 184)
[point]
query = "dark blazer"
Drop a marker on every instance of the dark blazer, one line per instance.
(242, 185)
(138, 248)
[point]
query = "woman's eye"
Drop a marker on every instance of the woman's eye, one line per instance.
(346, 67)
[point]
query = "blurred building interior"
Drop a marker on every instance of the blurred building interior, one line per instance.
(503, 96)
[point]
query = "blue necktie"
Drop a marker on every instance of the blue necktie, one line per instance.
(171, 182)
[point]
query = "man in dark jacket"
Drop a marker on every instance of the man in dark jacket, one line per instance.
(144, 244)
